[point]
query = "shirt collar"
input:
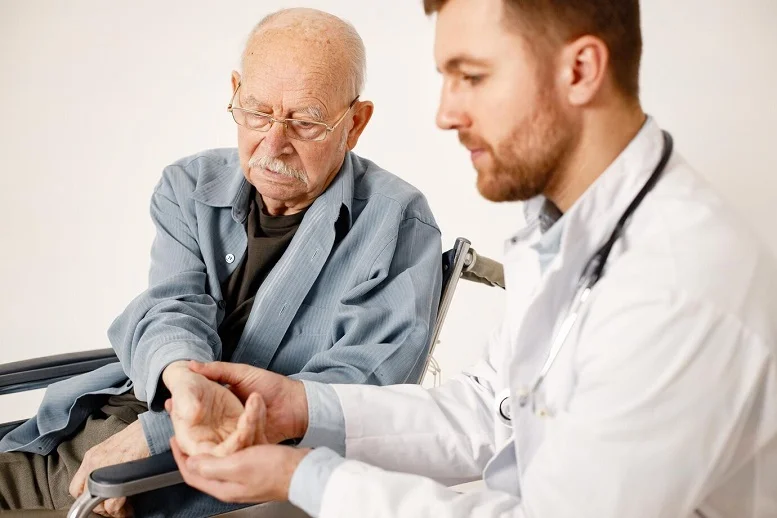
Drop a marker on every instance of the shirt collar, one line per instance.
(228, 187)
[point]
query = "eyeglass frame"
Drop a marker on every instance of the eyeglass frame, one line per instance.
(282, 120)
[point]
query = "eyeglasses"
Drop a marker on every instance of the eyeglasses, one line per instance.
(297, 129)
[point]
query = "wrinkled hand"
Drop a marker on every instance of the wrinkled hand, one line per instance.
(285, 399)
(261, 473)
(205, 414)
(129, 444)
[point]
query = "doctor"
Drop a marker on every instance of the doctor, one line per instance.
(650, 393)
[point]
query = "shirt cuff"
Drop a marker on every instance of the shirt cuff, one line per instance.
(158, 429)
(326, 421)
(310, 478)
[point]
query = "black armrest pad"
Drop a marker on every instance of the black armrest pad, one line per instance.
(135, 477)
(40, 372)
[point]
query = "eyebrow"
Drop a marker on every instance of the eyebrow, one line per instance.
(456, 62)
(313, 112)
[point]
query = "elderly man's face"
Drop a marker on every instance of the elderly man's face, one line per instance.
(289, 173)
(501, 98)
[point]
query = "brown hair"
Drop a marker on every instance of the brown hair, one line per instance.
(548, 22)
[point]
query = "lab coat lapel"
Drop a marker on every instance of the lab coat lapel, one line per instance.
(587, 225)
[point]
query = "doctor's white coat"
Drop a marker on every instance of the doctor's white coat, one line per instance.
(662, 403)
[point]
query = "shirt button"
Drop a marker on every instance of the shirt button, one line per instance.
(222, 304)
(230, 258)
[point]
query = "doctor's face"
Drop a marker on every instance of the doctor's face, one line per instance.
(500, 95)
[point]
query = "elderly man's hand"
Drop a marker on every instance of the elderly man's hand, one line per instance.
(284, 398)
(129, 444)
(261, 473)
(205, 414)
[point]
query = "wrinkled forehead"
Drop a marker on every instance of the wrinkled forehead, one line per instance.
(286, 71)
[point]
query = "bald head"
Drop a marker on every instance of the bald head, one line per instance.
(327, 44)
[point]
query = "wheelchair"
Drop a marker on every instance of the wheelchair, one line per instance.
(160, 471)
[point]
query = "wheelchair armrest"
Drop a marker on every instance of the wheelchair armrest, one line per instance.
(131, 478)
(41, 372)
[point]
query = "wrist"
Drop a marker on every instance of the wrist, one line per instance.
(294, 458)
(169, 373)
(135, 431)
(299, 402)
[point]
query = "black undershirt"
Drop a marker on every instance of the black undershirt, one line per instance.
(268, 238)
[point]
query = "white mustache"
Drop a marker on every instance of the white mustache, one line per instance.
(278, 166)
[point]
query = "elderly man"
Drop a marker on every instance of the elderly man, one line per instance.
(289, 253)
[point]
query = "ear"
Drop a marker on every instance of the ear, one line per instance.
(361, 116)
(584, 65)
(235, 80)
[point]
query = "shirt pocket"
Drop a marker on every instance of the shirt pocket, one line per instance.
(312, 321)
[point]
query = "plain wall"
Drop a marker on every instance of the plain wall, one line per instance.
(97, 97)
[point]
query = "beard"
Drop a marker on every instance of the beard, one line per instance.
(522, 165)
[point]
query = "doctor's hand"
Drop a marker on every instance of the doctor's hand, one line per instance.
(261, 473)
(205, 414)
(127, 445)
(284, 398)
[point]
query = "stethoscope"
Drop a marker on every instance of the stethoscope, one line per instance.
(591, 274)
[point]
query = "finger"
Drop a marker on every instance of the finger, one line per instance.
(203, 448)
(169, 406)
(224, 491)
(191, 446)
(247, 432)
(222, 372)
(216, 488)
(224, 469)
(79, 481)
(100, 509)
(115, 507)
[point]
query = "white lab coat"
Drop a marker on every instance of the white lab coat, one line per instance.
(662, 403)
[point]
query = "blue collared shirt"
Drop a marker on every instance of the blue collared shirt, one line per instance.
(352, 300)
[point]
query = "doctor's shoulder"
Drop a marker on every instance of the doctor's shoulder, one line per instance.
(688, 242)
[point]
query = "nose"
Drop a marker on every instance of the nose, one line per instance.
(451, 113)
(275, 142)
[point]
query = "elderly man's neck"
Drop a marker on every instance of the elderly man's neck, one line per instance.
(284, 208)
(605, 136)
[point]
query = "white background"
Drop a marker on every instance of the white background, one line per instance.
(97, 97)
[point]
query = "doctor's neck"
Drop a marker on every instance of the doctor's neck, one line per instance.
(605, 132)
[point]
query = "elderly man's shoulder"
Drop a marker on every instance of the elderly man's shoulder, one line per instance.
(374, 184)
(219, 165)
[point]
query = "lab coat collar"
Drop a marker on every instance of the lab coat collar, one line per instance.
(593, 216)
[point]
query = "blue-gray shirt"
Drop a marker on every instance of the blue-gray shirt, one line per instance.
(352, 300)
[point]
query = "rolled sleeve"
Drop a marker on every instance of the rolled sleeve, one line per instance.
(158, 429)
(326, 421)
